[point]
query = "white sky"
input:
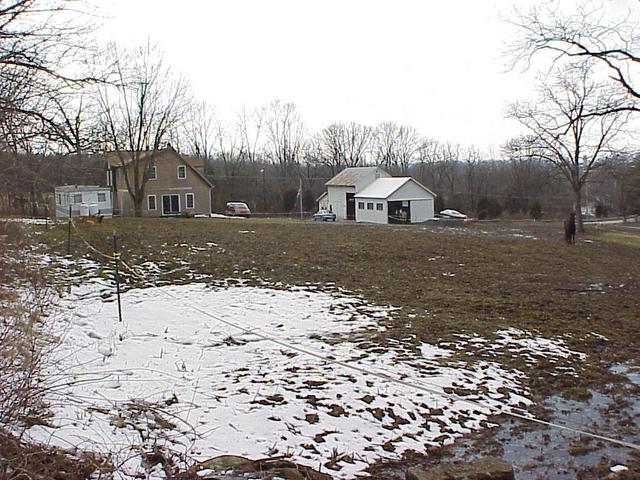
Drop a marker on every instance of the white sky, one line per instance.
(438, 66)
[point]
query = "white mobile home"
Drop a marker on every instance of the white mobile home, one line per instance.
(342, 188)
(84, 200)
(395, 200)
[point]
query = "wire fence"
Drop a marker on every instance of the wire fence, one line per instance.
(425, 387)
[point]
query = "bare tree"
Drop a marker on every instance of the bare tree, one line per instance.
(251, 127)
(344, 144)
(563, 130)
(40, 49)
(230, 150)
(395, 146)
(141, 110)
(285, 136)
(200, 130)
(585, 34)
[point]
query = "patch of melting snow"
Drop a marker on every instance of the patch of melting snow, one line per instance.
(28, 221)
(171, 374)
(433, 351)
(524, 342)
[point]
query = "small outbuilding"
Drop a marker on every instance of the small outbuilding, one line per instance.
(395, 200)
(342, 189)
(84, 200)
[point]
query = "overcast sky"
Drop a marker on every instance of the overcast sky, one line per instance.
(438, 66)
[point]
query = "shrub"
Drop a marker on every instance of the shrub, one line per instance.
(535, 211)
(488, 208)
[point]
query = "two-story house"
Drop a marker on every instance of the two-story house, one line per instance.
(175, 185)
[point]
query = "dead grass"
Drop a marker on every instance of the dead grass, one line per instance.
(447, 281)
(20, 460)
(627, 239)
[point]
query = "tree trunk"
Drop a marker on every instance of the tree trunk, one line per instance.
(578, 208)
(137, 205)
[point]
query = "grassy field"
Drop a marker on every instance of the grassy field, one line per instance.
(474, 280)
(628, 239)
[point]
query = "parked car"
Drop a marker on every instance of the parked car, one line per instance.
(324, 216)
(450, 213)
(237, 209)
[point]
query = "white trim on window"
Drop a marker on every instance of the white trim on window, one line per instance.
(155, 203)
(193, 200)
(184, 169)
(179, 203)
(153, 173)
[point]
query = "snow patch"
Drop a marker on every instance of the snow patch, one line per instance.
(173, 373)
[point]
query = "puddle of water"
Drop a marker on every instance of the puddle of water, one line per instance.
(545, 452)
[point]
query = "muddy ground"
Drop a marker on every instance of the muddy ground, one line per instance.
(449, 281)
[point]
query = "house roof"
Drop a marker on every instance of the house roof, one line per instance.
(352, 175)
(80, 188)
(385, 187)
(116, 160)
(324, 194)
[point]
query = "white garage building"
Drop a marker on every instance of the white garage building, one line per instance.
(395, 200)
(342, 188)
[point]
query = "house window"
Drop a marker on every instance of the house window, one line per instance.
(360, 205)
(77, 198)
(102, 197)
(191, 200)
(153, 173)
(379, 207)
(182, 172)
(151, 202)
(58, 199)
(369, 205)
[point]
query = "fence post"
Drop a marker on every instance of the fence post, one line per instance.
(116, 258)
(69, 233)
(46, 216)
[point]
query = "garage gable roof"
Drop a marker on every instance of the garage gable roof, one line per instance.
(385, 187)
(350, 176)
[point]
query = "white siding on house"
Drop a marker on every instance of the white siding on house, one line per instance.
(371, 216)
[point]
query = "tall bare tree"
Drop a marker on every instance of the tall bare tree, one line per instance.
(286, 136)
(40, 52)
(251, 127)
(200, 130)
(563, 129)
(585, 33)
(139, 112)
(395, 146)
(345, 144)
